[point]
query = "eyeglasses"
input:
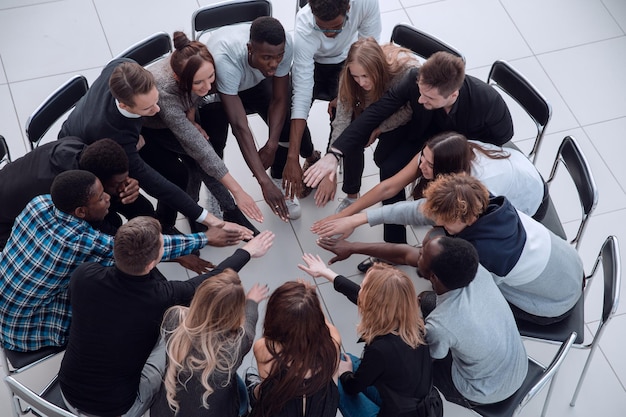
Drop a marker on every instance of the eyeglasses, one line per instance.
(332, 31)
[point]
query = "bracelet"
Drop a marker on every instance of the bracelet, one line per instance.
(335, 154)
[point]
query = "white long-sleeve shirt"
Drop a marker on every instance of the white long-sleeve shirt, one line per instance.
(312, 46)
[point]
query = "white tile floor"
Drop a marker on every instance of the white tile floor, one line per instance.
(572, 50)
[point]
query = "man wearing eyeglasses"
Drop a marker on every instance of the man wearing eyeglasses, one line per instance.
(323, 33)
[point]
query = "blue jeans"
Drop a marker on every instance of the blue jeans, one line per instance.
(243, 396)
(363, 404)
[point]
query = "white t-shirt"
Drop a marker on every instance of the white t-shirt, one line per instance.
(514, 177)
(229, 47)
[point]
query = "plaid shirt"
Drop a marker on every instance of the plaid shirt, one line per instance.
(45, 247)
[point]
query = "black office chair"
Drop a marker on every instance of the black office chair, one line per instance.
(49, 402)
(300, 4)
(227, 13)
(420, 42)
(149, 49)
(609, 258)
(56, 105)
(537, 378)
(507, 78)
(5, 154)
(572, 157)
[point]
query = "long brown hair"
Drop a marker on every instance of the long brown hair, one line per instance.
(187, 58)
(304, 355)
(388, 304)
(382, 64)
(453, 153)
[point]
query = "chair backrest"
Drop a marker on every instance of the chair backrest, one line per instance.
(227, 13)
(570, 155)
(56, 105)
(149, 49)
(36, 403)
(5, 154)
(420, 42)
(507, 78)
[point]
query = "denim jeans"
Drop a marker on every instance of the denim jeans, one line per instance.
(363, 404)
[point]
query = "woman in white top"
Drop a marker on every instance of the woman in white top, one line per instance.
(504, 172)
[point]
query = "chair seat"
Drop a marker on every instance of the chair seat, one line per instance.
(558, 332)
(22, 359)
(52, 394)
(507, 407)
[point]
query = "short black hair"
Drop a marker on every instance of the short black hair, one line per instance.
(456, 265)
(267, 29)
(72, 189)
(327, 10)
(104, 158)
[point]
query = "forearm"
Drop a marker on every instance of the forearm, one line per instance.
(404, 212)
(175, 246)
(295, 137)
(398, 253)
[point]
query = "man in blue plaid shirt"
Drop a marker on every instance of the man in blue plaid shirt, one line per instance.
(52, 237)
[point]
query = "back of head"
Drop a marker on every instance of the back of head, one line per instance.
(72, 189)
(137, 244)
(455, 197)
(443, 71)
(297, 337)
(456, 264)
(266, 29)
(208, 336)
(104, 158)
(187, 58)
(451, 153)
(388, 304)
(327, 10)
(128, 80)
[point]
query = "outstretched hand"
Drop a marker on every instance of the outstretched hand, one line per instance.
(258, 293)
(195, 263)
(316, 267)
(326, 228)
(220, 237)
(325, 167)
(325, 191)
(259, 245)
(341, 248)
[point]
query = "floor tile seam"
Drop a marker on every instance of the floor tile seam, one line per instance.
(104, 33)
(613, 17)
(608, 361)
(608, 166)
(22, 6)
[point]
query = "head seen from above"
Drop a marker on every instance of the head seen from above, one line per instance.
(330, 16)
(449, 263)
(439, 80)
(193, 65)
(108, 161)
(134, 88)
(138, 246)
(455, 201)
(81, 194)
(266, 47)
(388, 304)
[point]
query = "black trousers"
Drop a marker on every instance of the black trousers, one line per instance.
(255, 100)
(164, 153)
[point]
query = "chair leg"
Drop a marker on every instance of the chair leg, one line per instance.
(584, 373)
(548, 396)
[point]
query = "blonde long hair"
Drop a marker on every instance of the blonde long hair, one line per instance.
(388, 304)
(381, 63)
(208, 335)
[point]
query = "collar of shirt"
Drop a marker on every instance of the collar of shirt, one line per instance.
(126, 113)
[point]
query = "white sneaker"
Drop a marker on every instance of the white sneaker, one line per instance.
(344, 203)
(292, 205)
